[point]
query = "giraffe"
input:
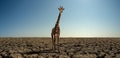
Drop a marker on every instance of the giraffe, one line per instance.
(55, 34)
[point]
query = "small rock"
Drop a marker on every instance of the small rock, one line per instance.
(40, 56)
(63, 56)
(16, 55)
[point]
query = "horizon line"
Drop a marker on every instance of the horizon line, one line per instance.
(60, 37)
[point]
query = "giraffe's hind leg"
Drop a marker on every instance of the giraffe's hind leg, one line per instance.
(53, 43)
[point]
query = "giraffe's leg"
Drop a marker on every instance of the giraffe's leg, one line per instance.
(52, 39)
(58, 43)
(56, 39)
(53, 42)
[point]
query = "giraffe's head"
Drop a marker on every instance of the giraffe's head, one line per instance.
(61, 9)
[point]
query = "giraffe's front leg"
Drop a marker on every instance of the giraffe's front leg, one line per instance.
(54, 43)
(58, 43)
(56, 40)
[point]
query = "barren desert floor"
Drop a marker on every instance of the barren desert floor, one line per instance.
(35, 47)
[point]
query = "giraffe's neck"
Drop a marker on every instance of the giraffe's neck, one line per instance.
(58, 20)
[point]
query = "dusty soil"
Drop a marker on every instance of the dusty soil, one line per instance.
(69, 48)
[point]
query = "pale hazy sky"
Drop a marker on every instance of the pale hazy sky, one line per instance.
(81, 18)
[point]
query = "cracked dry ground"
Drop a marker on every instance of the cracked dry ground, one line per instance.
(69, 48)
